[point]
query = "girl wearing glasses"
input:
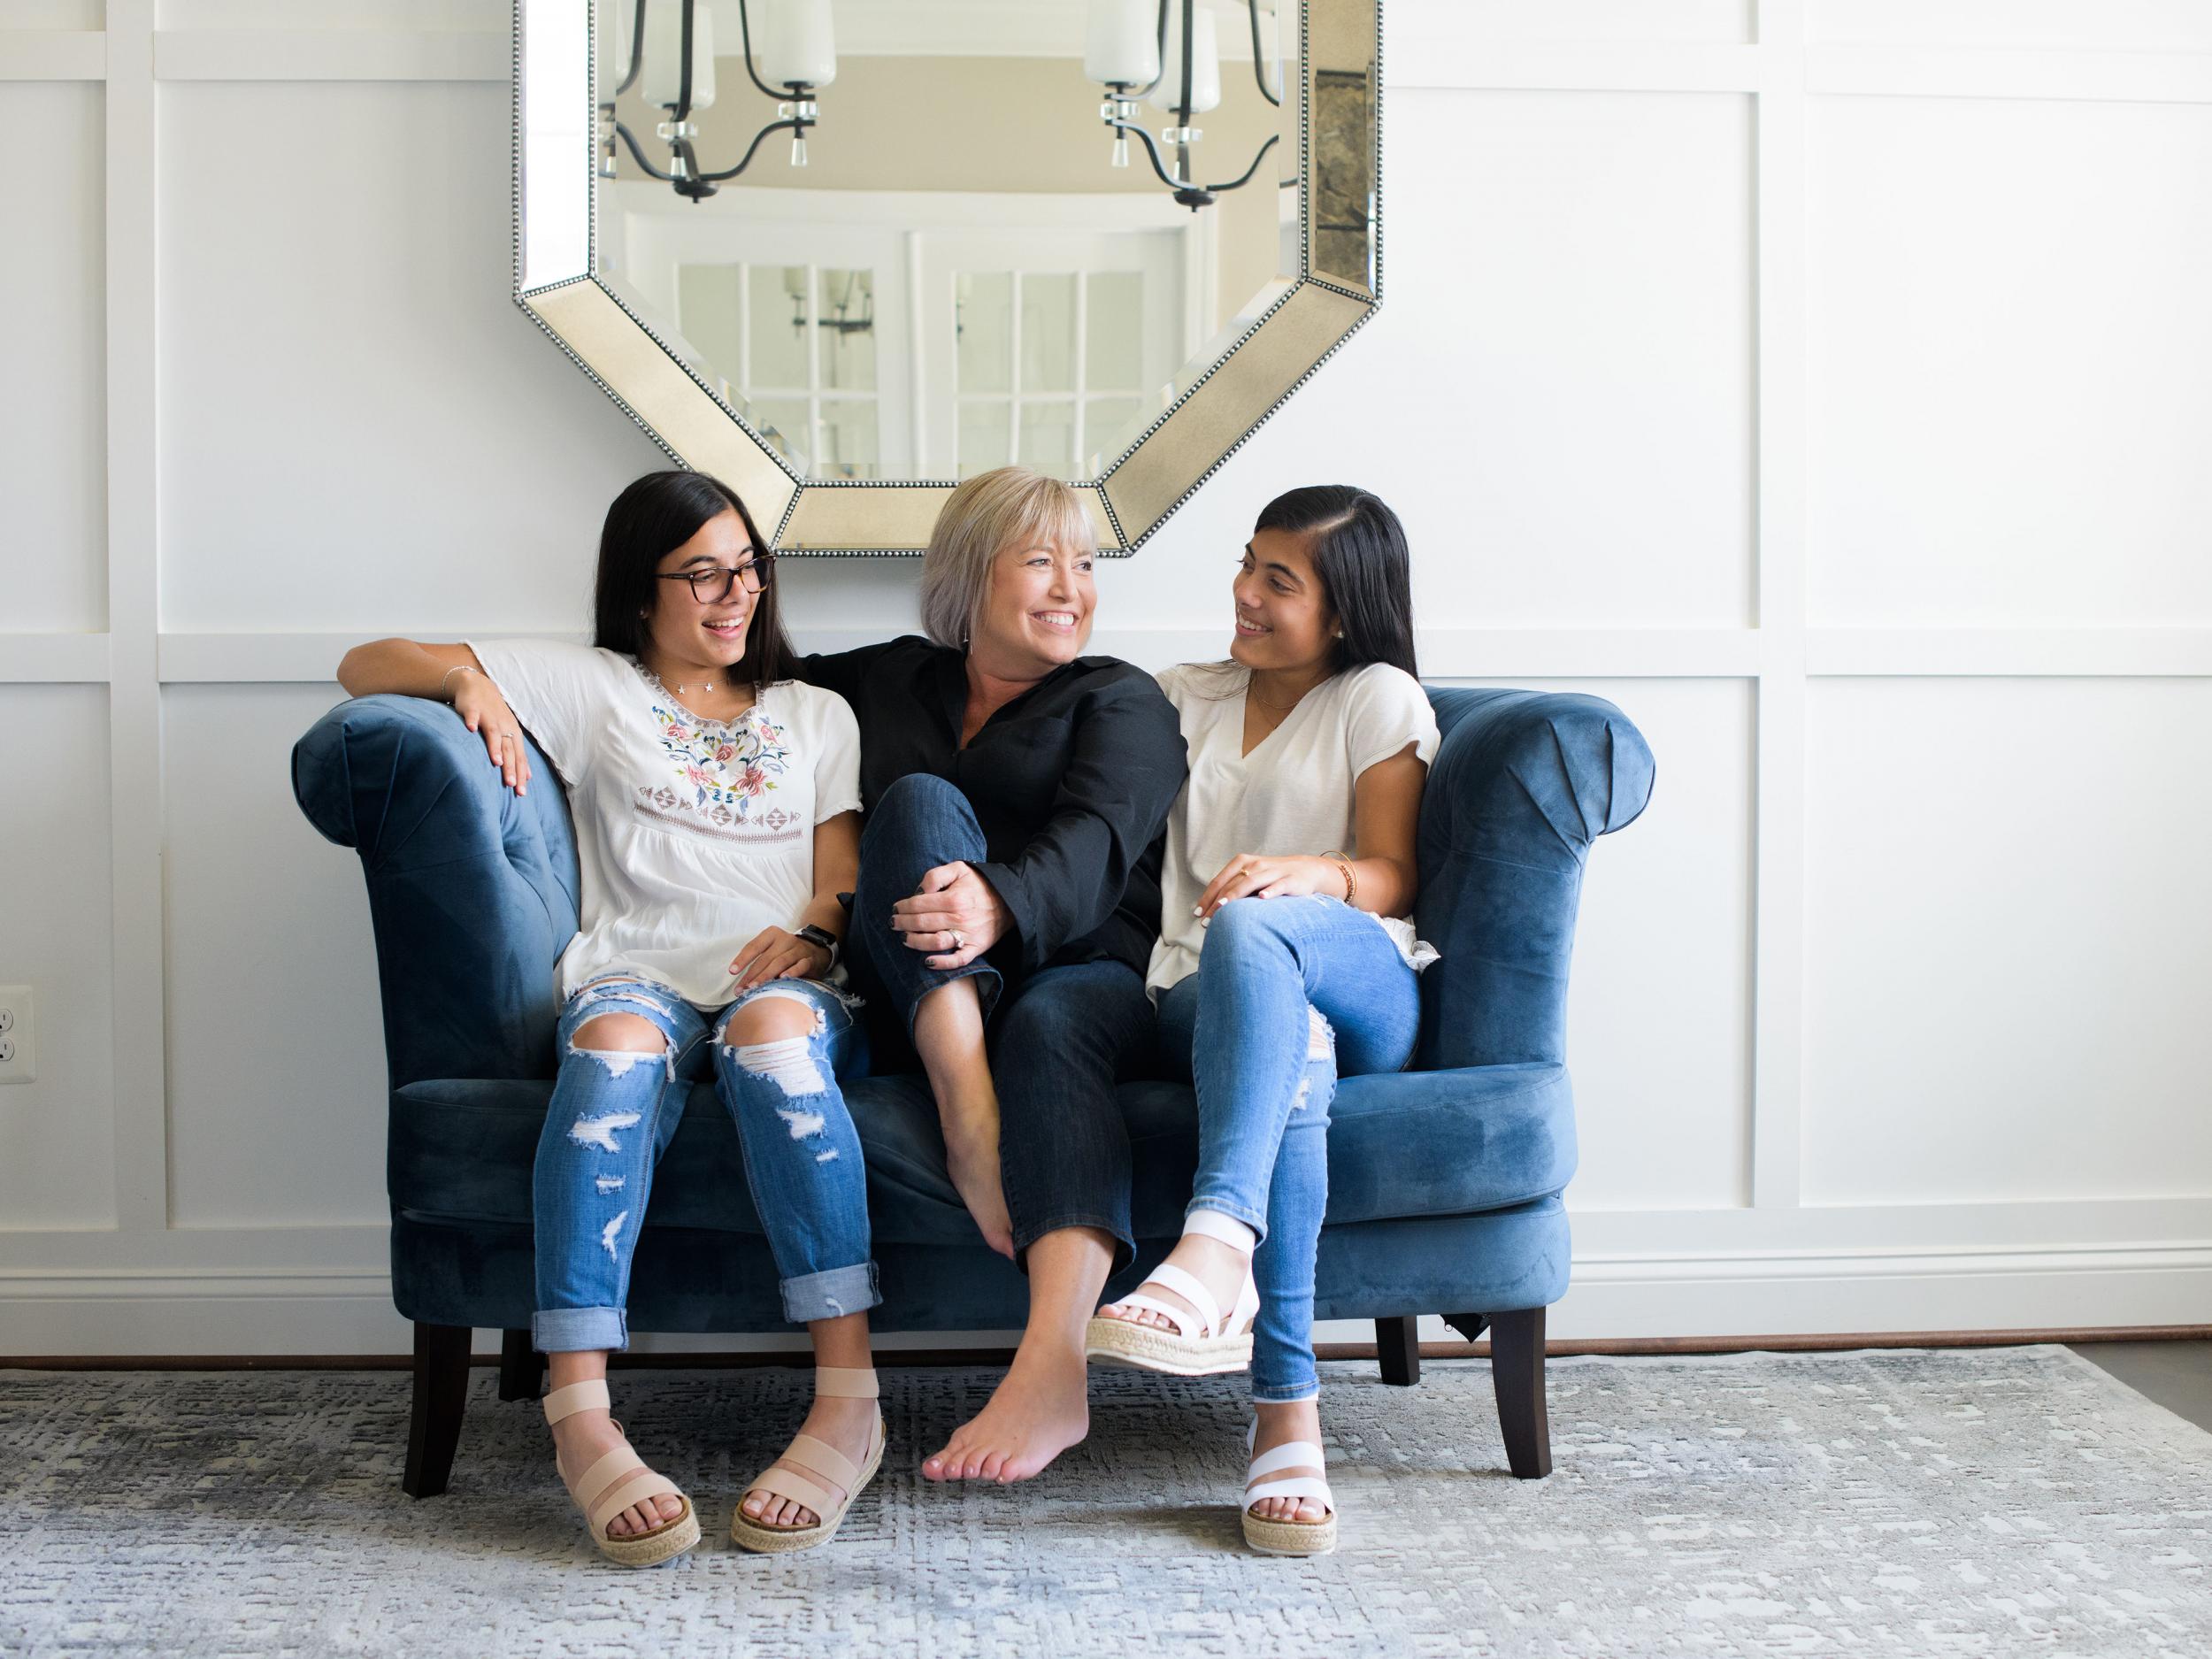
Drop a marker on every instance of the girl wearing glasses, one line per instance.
(715, 805)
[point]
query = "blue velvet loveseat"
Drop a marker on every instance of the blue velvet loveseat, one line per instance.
(1444, 1180)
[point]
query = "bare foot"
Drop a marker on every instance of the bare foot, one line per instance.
(580, 1440)
(1278, 1427)
(848, 1425)
(1039, 1410)
(971, 1160)
(1219, 1267)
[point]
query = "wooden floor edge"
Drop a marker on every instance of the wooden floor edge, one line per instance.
(1559, 1348)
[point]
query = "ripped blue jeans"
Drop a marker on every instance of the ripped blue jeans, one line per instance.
(1290, 995)
(613, 1112)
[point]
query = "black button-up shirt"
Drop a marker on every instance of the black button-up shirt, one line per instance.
(1071, 782)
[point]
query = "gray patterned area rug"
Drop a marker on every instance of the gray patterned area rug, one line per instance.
(1899, 1503)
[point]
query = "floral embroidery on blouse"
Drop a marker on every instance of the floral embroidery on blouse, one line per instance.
(723, 767)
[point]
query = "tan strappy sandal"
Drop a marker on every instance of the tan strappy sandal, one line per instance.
(807, 1463)
(614, 1483)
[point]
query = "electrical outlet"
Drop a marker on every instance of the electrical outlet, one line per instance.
(18, 1046)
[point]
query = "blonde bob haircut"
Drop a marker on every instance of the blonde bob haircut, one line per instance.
(1010, 507)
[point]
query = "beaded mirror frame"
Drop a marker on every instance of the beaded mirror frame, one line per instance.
(1337, 287)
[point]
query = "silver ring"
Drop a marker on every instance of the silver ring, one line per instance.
(959, 940)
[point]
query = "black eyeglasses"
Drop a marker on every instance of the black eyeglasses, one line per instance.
(711, 584)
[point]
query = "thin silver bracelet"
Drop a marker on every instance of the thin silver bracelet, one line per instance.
(458, 668)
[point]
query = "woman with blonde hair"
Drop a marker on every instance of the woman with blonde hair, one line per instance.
(1009, 896)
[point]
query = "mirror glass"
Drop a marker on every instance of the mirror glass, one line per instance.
(952, 273)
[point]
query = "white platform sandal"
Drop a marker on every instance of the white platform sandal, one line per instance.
(1217, 1346)
(807, 1463)
(1287, 1538)
(614, 1483)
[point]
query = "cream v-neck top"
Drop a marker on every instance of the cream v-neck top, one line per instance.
(1293, 793)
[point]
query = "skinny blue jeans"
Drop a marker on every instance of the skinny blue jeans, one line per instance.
(614, 1113)
(1290, 994)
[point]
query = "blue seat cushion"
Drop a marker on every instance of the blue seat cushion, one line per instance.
(1402, 1145)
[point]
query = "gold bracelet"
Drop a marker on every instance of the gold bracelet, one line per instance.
(1344, 868)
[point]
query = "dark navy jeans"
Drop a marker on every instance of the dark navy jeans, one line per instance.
(1060, 1039)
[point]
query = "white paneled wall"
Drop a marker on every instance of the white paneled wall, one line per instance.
(1824, 381)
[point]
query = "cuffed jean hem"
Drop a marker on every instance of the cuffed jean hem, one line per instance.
(830, 1294)
(579, 1330)
(1285, 1396)
(1255, 1220)
(1119, 1231)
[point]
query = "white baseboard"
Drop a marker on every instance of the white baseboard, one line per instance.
(1782, 1293)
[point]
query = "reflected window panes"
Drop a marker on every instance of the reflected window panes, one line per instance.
(776, 328)
(1047, 316)
(1077, 347)
(985, 321)
(1111, 424)
(986, 437)
(1048, 439)
(845, 305)
(710, 310)
(850, 446)
(794, 349)
(1113, 329)
(783, 422)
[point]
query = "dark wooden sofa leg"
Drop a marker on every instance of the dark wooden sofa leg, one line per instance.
(441, 1386)
(521, 1367)
(1516, 1370)
(1398, 1346)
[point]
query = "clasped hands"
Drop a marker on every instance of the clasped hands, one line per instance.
(955, 916)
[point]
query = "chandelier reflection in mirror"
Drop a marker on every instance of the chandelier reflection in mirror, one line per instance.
(1171, 57)
(669, 46)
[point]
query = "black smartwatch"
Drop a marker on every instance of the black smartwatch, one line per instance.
(821, 936)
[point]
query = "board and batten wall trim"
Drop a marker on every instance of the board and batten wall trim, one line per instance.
(155, 1281)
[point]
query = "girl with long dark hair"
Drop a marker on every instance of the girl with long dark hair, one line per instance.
(1284, 960)
(716, 802)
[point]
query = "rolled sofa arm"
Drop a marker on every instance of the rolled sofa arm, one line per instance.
(1524, 781)
(472, 889)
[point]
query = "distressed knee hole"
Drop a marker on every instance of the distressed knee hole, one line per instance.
(599, 1129)
(773, 1014)
(610, 1035)
(797, 1069)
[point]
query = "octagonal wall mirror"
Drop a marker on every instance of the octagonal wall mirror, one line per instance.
(843, 253)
